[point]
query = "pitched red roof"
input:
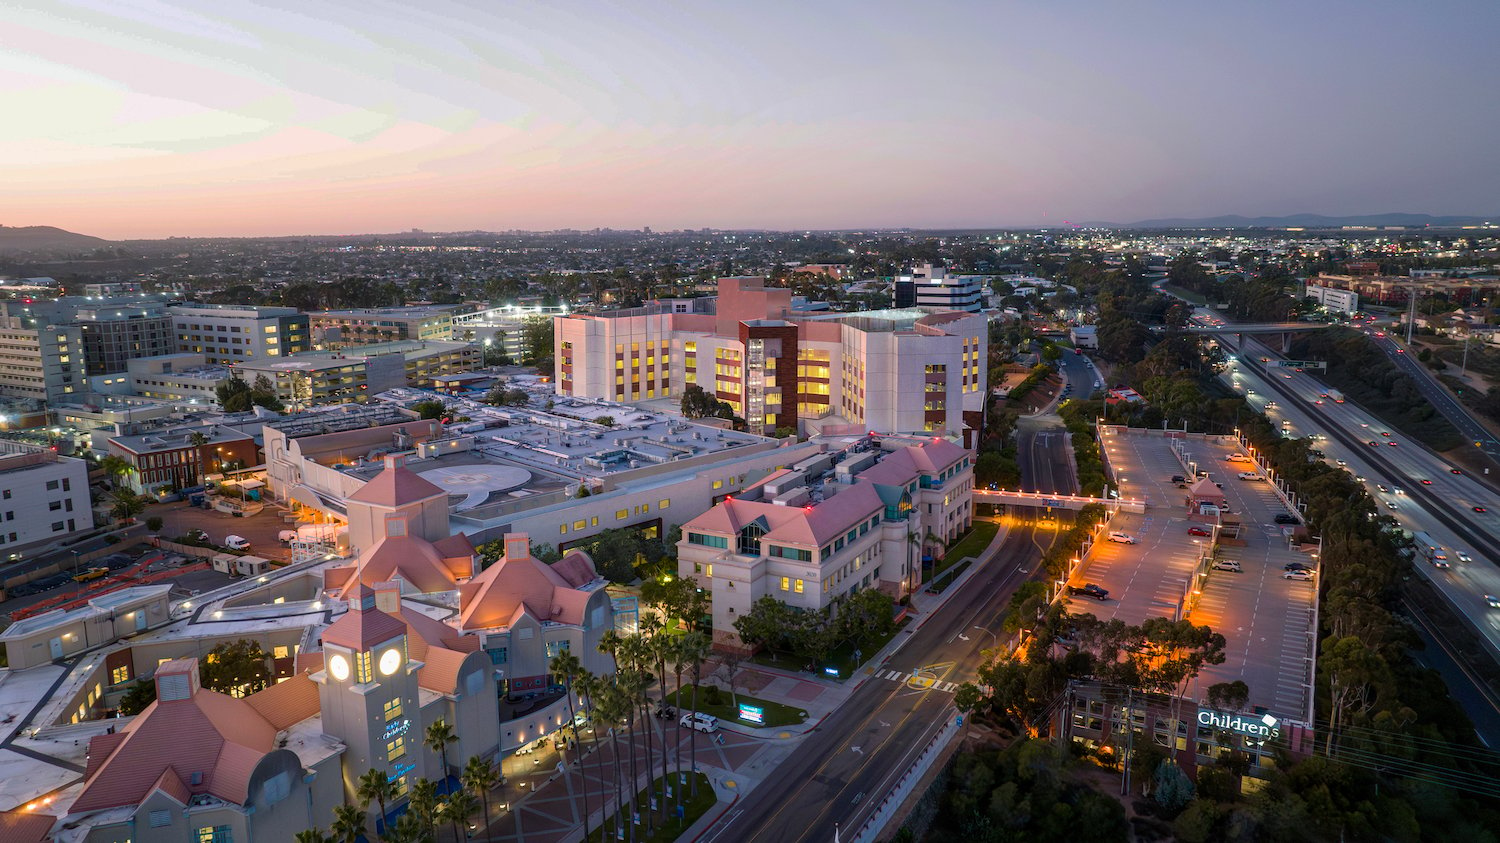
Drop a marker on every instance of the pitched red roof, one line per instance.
(19, 827)
(286, 703)
(494, 597)
(211, 736)
(395, 486)
(415, 560)
(359, 630)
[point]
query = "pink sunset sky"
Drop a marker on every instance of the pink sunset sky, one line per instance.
(145, 118)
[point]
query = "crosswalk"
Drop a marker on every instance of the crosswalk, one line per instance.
(917, 681)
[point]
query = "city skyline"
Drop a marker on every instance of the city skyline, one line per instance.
(183, 119)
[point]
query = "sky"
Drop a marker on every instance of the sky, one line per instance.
(148, 118)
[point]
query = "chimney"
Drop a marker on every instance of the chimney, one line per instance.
(394, 461)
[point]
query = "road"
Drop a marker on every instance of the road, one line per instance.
(847, 765)
(1438, 396)
(1443, 506)
(842, 770)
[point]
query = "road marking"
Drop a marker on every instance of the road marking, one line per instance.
(857, 750)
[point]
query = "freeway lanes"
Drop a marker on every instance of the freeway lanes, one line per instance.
(842, 769)
(1444, 509)
(1439, 397)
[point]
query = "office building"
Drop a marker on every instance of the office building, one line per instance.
(1340, 301)
(44, 498)
(41, 362)
(834, 524)
(226, 334)
(932, 286)
(180, 456)
(330, 377)
(899, 370)
(340, 329)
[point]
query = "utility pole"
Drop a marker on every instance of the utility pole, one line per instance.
(1411, 319)
(1465, 367)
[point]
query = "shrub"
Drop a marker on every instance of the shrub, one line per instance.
(712, 695)
(154, 523)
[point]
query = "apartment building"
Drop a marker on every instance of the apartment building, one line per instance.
(113, 335)
(45, 362)
(898, 370)
(340, 329)
(831, 525)
(226, 334)
(1343, 301)
(43, 498)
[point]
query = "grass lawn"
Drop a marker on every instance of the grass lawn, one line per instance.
(692, 809)
(776, 713)
(978, 538)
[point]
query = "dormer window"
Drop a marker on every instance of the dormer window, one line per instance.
(395, 525)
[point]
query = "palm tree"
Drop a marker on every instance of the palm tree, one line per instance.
(611, 706)
(377, 787)
(408, 829)
(696, 648)
(348, 823)
(114, 465)
(459, 806)
(480, 777)
(438, 736)
(635, 652)
(424, 804)
(662, 644)
(127, 504)
(570, 668)
(313, 835)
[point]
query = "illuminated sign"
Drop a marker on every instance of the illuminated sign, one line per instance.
(1264, 728)
(752, 713)
(401, 769)
(397, 728)
(831, 671)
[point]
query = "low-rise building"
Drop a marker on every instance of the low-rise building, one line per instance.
(1332, 298)
(932, 286)
(340, 329)
(837, 523)
(179, 457)
(226, 334)
(62, 634)
(332, 377)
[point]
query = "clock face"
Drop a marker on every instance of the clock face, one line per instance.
(390, 661)
(339, 667)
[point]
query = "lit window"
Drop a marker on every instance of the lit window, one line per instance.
(718, 484)
(119, 674)
(580, 524)
(392, 709)
(663, 503)
(786, 583)
(621, 514)
(395, 749)
(797, 586)
(280, 652)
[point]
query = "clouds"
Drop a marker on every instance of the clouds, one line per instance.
(150, 119)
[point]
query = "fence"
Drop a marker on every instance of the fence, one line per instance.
(892, 802)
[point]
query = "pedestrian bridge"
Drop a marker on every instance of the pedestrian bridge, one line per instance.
(1047, 500)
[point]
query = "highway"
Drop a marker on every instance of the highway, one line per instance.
(1444, 506)
(1437, 395)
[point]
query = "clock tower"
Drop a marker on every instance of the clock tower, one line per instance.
(368, 692)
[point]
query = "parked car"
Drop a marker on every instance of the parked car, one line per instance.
(1230, 565)
(665, 712)
(1121, 538)
(1250, 475)
(1198, 531)
(699, 721)
(236, 542)
(1178, 478)
(1298, 566)
(1089, 590)
(1300, 575)
(1236, 458)
(1284, 518)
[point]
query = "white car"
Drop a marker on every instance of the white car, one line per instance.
(236, 543)
(1250, 475)
(701, 722)
(1228, 565)
(1298, 575)
(1121, 538)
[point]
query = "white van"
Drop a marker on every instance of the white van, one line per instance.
(700, 721)
(286, 536)
(236, 543)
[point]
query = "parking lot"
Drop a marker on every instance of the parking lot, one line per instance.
(261, 530)
(1266, 619)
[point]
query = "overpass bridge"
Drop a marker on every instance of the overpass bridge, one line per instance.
(1285, 329)
(1049, 500)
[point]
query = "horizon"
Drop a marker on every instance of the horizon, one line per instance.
(192, 120)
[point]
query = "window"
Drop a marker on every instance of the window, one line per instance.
(119, 674)
(280, 652)
(215, 834)
(749, 538)
(54, 506)
(621, 514)
(663, 503)
(160, 819)
(57, 526)
(401, 787)
(786, 583)
(708, 541)
(363, 669)
(580, 524)
(556, 648)
(499, 655)
(395, 749)
(562, 529)
(718, 484)
(52, 485)
(797, 586)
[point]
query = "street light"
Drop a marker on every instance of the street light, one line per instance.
(995, 638)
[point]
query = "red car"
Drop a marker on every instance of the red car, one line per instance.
(1198, 531)
(1426, 482)
(1393, 443)
(1454, 471)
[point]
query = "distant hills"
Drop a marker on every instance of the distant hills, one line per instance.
(43, 238)
(1303, 221)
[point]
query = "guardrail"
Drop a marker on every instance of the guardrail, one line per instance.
(892, 802)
